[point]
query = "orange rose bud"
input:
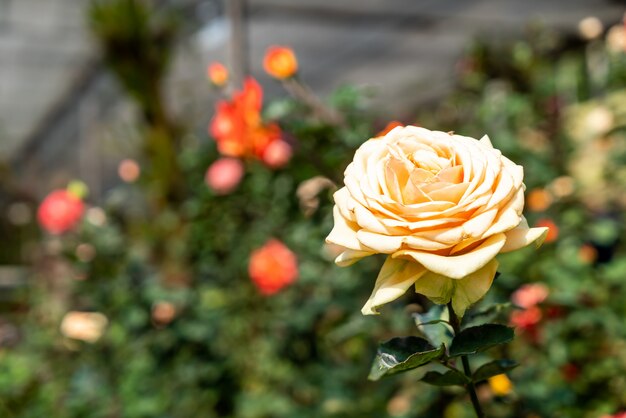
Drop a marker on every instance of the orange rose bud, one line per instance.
(553, 230)
(587, 254)
(280, 62)
(217, 73)
(273, 267)
(224, 175)
(390, 126)
(539, 200)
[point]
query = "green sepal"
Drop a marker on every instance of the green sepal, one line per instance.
(403, 354)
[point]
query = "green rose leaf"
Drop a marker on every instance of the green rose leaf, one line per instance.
(449, 378)
(474, 339)
(402, 354)
(433, 324)
(493, 368)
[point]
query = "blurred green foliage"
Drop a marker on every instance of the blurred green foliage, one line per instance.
(225, 350)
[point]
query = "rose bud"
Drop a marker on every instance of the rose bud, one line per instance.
(530, 295)
(128, 170)
(224, 175)
(217, 74)
(60, 211)
(84, 326)
(277, 154)
(273, 267)
(280, 62)
(389, 127)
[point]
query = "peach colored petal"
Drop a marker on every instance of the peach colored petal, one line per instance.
(395, 277)
(344, 233)
(350, 257)
(509, 216)
(522, 235)
(451, 174)
(486, 141)
(457, 267)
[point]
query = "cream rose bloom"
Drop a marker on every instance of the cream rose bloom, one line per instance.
(442, 206)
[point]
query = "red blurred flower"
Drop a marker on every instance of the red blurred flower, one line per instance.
(553, 230)
(217, 74)
(224, 175)
(570, 372)
(530, 295)
(527, 318)
(60, 211)
(280, 62)
(237, 125)
(273, 267)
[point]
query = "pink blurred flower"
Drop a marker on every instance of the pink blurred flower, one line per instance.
(128, 170)
(277, 154)
(224, 175)
(530, 295)
(60, 211)
(272, 267)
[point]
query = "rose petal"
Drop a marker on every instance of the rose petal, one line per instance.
(460, 266)
(395, 277)
(486, 141)
(344, 233)
(350, 257)
(522, 236)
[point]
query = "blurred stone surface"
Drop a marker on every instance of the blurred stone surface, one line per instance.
(57, 103)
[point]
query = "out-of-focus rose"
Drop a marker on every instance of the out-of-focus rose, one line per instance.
(590, 27)
(553, 229)
(84, 326)
(441, 206)
(616, 39)
(618, 415)
(280, 62)
(163, 312)
(527, 318)
(128, 170)
(500, 385)
(224, 175)
(273, 267)
(237, 125)
(587, 254)
(389, 127)
(562, 186)
(539, 200)
(530, 295)
(60, 211)
(217, 74)
(277, 154)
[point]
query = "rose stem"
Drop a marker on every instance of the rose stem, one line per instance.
(456, 326)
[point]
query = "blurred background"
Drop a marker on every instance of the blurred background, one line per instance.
(163, 219)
